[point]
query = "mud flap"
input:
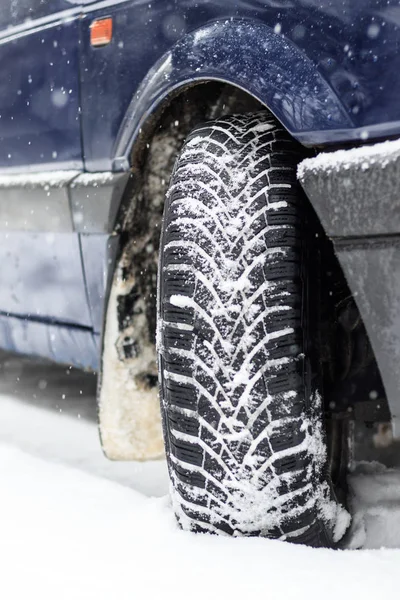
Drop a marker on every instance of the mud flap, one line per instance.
(129, 410)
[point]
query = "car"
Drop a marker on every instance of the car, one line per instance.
(199, 201)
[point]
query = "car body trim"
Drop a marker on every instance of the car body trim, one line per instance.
(36, 202)
(44, 320)
(95, 200)
(27, 27)
(44, 168)
(60, 201)
(337, 136)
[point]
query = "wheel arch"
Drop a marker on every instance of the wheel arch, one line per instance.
(249, 56)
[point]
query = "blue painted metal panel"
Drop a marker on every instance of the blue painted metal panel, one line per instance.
(39, 92)
(42, 277)
(252, 57)
(67, 345)
(350, 49)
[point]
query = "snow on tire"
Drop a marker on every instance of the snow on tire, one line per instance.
(242, 414)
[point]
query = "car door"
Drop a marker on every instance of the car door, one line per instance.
(41, 276)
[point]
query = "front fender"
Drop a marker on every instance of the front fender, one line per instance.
(250, 56)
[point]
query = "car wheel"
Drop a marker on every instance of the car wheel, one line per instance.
(239, 372)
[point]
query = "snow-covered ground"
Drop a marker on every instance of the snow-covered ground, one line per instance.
(73, 525)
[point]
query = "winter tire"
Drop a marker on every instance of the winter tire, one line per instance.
(239, 376)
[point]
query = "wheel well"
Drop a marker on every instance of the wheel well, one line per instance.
(168, 127)
(152, 160)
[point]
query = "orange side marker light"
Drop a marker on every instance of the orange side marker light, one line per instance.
(101, 32)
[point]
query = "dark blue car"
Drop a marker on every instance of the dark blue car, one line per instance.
(257, 140)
